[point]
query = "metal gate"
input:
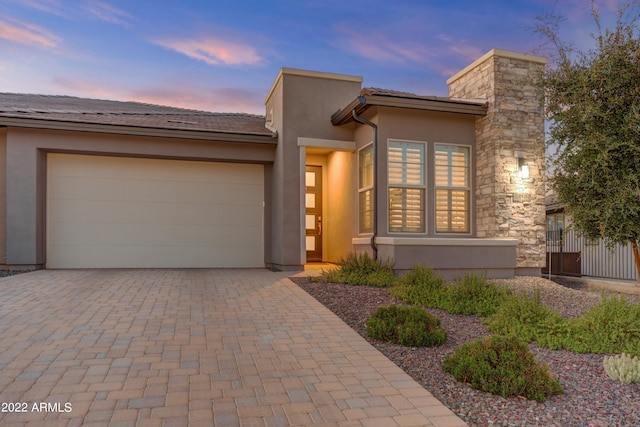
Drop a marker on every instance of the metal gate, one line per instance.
(570, 254)
(563, 258)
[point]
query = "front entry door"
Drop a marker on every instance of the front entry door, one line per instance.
(313, 215)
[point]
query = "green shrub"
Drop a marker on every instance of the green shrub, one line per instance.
(612, 326)
(421, 285)
(407, 326)
(361, 269)
(527, 318)
(623, 368)
(472, 294)
(504, 366)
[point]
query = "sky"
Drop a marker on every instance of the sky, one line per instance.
(223, 55)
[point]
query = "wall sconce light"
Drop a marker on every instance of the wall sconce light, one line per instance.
(523, 167)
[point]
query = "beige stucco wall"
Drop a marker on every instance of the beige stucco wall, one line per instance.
(300, 104)
(343, 223)
(412, 125)
(3, 196)
(450, 257)
(26, 151)
(420, 126)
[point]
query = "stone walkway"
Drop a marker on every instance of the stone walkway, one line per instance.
(191, 348)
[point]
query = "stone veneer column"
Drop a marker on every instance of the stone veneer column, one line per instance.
(508, 206)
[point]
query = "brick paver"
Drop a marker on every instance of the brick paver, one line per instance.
(191, 347)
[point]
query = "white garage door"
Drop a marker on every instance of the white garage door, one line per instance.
(116, 212)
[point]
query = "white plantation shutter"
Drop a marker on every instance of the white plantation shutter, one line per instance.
(452, 188)
(366, 210)
(365, 190)
(406, 163)
(406, 187)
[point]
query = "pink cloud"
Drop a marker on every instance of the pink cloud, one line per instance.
(79, 88)
(107, 13)
(460, 47)
(28, 35)
(442, 51)
(191, 97)
(380, 48)
(214, 51)
(49, 6)
(215, 99)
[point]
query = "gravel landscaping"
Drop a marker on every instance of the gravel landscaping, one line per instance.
(590, 397)
(7, 273)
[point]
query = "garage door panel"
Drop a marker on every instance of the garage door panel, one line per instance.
(118, 189)
(122, 212)
(88, 235)
(204, 214)
(156, 170)
(169, 257)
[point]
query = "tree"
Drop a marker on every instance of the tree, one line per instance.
(593, 105)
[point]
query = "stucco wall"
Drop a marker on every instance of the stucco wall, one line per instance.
(3, 196)
(426, 127)
(26, 151)
(342, 223)
(301, 104)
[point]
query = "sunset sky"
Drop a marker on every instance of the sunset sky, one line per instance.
(223, 55)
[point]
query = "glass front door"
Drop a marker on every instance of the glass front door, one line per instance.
(313, 213)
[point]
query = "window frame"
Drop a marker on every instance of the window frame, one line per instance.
(556, 234)
(468, 188)
(365, 189)
(423, 187)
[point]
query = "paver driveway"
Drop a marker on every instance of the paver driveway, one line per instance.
(191, 347)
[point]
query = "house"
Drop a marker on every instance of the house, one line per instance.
(456, 182)
(570, 254)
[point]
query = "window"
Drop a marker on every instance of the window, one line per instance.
(555, 226)
(406, 187)
(452, 188)
(365, 189)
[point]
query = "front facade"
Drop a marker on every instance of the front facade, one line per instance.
(330, 169)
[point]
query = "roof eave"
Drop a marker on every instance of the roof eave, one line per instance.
(362, 103)
(228, 136)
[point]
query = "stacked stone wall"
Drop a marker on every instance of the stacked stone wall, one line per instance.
(508, 206)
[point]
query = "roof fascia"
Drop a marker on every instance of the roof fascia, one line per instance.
(362, 103)
(139, 131)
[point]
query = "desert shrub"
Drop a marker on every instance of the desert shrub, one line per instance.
(527, 318)
(623, 368)
(361, 269)
(421, 285)
(502, 365)
(612, 326)
(472, 294)
(407, 326)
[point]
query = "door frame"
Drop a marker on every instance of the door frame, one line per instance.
(316, 232)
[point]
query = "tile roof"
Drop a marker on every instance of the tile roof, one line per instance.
(104, 112)
(387, 92)
(370, 91)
